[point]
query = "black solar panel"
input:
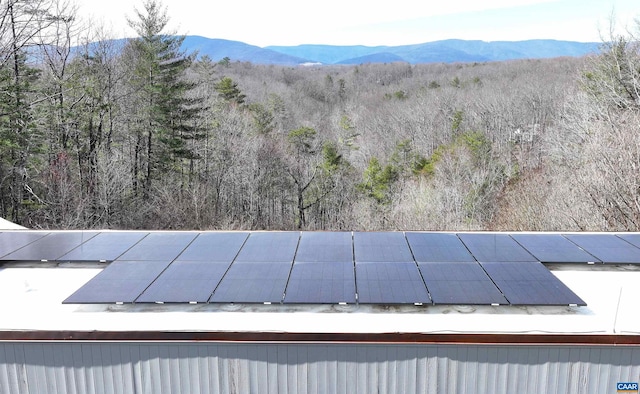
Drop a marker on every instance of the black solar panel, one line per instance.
(52, 246)
(460, 283)
(495, 247)
(121, 281)
(11, 241)
(321, 283)
(269, 247)
(325, 247)
(553, 248)
(607, 247)
(106, 246)
(159, 246)
(250, 282)
(390, 283)
(381, 247)
(185, 281)
(437, 247)
(215, 246)
(530, 283)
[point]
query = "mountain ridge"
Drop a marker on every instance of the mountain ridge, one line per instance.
(442, 51)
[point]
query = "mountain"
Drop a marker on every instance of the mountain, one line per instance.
(217, 49)
(447, 51)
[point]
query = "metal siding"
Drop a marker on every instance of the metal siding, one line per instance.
(312, 368)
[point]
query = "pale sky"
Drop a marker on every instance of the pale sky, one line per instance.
(397, 22)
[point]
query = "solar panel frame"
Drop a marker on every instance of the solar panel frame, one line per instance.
(321, 283)
(380, 247)
(390, 283)
(51, 246)
(460, 283)
(608, 248)
(159, 246)
(553, 248)
(492, 247)
(214, 247)
(122, 281)
(269, 247)
(437, 247)
(252, 282)
(325, 247)
(185, 282)
(106, 246)
(12, 241)
(530, 283)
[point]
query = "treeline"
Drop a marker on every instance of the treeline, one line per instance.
(139, 134)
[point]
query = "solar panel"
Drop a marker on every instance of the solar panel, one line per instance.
(121, 281)
(215, 246)
(437, 247)
(52, 246)
(381, 247)
(160, 246)
(11, 241)
(269, 247)
(494, 247)
(633, 239)
(251, 282)
(460, 283)
(530, 283)
(185, 281)
(390, 283)
(607, 247)
(106, 246)
(325, 247)
(553, 248)
(321, 283)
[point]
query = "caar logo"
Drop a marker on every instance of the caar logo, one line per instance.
(627, 387)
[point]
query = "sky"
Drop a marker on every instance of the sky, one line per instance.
(360, 22)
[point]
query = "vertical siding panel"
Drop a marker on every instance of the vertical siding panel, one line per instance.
(7, 371)
(349, 379)
(324, 364)
(282, 369)
(432, 371)
(144, 369)
(302, 372)
(421, 368)
(360, 376)
(313, 365)
(271, 367)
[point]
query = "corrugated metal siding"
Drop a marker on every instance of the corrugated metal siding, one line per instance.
(34, 367)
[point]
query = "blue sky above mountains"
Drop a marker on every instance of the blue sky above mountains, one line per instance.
(359, 22)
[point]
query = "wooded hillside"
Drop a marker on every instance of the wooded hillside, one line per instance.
(141, 135)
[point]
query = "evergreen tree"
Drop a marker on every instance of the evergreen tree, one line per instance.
(164, 112)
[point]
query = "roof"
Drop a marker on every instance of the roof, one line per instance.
(32, 295)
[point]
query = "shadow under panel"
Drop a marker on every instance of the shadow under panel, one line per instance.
(185, 282)
(119, 282)
(381, 247)
(530, 283)
(11, 241)
(390, 283)
(160, 246)
(437, 247)
(52, 246)
(321, 283)
(607, 247)
(460, 283)
(325, 247)
(553, 248)
(495, 247)
(214, 246)
(250, 282)
(262, 247)
(106, 246)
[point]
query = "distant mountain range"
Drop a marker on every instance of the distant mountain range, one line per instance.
(446, 51)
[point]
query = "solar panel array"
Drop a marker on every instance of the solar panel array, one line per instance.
(323, 267)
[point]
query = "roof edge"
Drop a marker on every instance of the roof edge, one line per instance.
(287, 337)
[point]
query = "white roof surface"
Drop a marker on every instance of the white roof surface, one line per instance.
(7, 225)
(31, 299)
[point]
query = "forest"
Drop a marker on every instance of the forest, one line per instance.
(130, 134)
